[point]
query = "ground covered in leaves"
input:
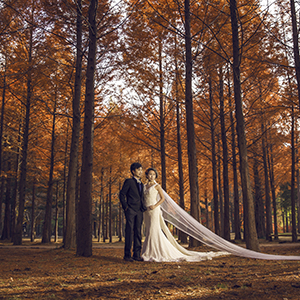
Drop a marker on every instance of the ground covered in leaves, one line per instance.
(47, 273)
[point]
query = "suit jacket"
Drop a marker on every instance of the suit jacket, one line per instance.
(131, 197)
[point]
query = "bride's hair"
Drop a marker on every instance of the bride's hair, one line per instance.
(151, 169)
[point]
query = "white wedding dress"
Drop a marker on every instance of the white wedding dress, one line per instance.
(159, 244)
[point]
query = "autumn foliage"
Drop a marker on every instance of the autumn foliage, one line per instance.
(140, 114)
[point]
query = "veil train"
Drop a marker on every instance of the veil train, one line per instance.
(178, 217)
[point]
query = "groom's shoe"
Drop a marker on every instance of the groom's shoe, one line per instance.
(138, 258)
(128, 259)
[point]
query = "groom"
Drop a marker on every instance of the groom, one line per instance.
(131, 196)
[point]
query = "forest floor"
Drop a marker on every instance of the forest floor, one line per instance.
(38, 271)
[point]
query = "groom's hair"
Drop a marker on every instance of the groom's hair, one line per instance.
(134, 166)
(151, 169)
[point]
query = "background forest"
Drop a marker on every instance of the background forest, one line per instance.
(205, 91)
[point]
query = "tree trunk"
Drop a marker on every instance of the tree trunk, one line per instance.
(6, 224)
(267, 189)
(84, 234)
(214, 162)
(293, 201)
(221, 204)
(249, 218)
(272, 183)
(32, 231)
(120, 217)
(2, 118)
(192, 153)
(70, 235)
(298, 200)
(259, 203)
(56, 215)
(17, 239)
(226, 224)
(15, 188)
(296, 46)
(110, 206)
(1, 199)
(182, 235)
(64, 186)
(103, 220)
(237, 224)
(162, 121)
(106, 216)
(101, 207)
(206, 203)
(283, 220)
(47, 228)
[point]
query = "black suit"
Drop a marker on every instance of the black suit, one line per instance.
(131, 198)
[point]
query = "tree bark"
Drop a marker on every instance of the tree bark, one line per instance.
(84, 234)
(259, 203)
(250, 230)
(214, 162)
(182, 235)
(226, 224)
(1, 199)
(162, 121)
(296, 46)
(17, 239)
(293, 201)
(192, 153)
(65, 185)
(70, 235)
(298, 200)
(15, 188)
(237, 224)
(56, 213)
(47, 228)
(110, 205)
(101, 207)
(6, 225)
(32, 231)
(267, 188)
(272, 184)
(221, 204)
(120, 216)
(2, 117)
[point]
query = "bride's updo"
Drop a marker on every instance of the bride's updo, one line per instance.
(151, 169)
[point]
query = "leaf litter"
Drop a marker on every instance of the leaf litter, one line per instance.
(47, 273)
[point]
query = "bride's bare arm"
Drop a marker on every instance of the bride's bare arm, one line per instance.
(161, 200)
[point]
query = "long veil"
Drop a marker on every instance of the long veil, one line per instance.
(178, 217)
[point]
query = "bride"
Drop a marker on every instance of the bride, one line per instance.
(160, 245)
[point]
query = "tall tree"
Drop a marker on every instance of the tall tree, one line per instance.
(70, 235)
(32, 226)
(214, 162)
(236, 226)
(192, 153)
(6, 226)
(296, 46)
(84, 233)
(250, 230)
(17, 238)
(293, 194)
(226, 223)
(267, 187)
(47, 228)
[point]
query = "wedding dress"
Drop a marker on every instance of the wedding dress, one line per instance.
(160, 245)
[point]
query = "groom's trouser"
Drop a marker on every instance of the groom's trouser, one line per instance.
(134, 220)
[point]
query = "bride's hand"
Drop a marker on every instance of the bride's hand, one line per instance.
(151, 207)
